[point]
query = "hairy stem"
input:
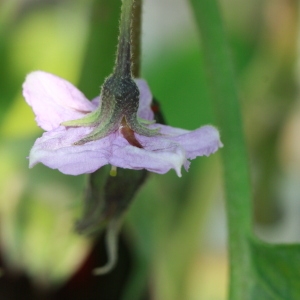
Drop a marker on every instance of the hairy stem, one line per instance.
(136, 38)
(123, 61)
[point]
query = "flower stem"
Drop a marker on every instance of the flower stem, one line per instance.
(123, 61)
(236, 174)
(136, 38)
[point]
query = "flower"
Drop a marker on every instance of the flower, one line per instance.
(55, 101)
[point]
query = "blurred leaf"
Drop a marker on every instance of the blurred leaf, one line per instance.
(179, 84)
(276, 271)
(174, 260)
(100, 52)
(37, 213)
(8, 84)
(42, 37)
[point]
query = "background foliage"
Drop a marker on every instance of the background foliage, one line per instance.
(175, 227)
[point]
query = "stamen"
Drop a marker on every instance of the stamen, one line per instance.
(113, 171)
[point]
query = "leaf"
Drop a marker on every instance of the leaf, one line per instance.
(8, 84)
(276, 271)
(37, 210)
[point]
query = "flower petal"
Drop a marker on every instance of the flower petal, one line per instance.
(54, 99)
(199, 142)
(158, 155)
(55, 149)
(144, 110)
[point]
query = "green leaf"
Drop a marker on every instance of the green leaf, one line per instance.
(9, 85)
(181, 69)
(276, 271)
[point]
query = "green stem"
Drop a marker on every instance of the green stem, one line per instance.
(136, 38)
(123, 61)
(236, 174)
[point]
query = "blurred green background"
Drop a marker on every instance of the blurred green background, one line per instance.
(176, 226)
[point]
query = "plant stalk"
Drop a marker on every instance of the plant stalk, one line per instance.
(224, 92)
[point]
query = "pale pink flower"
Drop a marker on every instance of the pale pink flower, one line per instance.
(55, 100)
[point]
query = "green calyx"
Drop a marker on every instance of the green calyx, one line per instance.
(119, 95)
(118, 108)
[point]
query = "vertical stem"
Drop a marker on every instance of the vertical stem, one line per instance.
(238, 192)
(123, 61)
(136, 38)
